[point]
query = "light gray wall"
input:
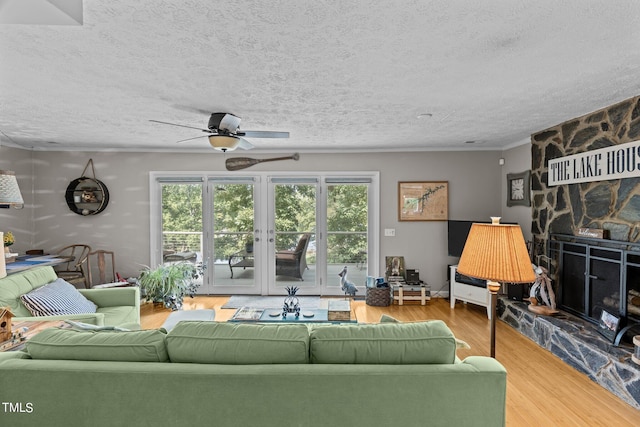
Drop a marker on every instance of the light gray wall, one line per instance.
(516, 160)
(476, 188)
(19, 221)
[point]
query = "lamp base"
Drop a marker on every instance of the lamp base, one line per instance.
(493, 288)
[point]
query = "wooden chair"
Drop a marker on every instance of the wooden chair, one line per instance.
(293, 263)
(101, 267)
(75, 270)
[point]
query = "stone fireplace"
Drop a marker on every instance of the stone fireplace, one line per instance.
(596, 275)
(589, 275)
(589, 279)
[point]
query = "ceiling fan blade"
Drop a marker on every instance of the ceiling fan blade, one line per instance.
(189, 139)
(244, 144)
(263, 134)
(190, 109)
(182, 126)
(226, 121)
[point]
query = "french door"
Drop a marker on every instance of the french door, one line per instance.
(292, 224)
(262, 233)
(234, 246)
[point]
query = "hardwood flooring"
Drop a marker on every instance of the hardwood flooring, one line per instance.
(541, 389)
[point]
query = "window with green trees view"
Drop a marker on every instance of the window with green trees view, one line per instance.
(253, 219)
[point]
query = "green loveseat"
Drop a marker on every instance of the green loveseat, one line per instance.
(229, 374)
(116, 306)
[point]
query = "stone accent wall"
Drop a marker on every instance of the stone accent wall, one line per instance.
(612, 205)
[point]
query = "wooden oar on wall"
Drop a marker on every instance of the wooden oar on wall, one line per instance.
(238, 163)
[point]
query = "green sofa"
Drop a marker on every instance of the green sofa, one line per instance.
(230, 374)
(116, 306)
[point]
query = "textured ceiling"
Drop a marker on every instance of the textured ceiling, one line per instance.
(338, 75)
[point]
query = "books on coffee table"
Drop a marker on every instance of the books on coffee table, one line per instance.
(248, 313)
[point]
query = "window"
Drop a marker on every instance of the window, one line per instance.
(237, 226)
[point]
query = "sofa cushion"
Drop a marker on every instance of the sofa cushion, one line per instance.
(18, 284)
(430, 342)
(385, 318)
(57, 297)
(238, 343)
(70, 344)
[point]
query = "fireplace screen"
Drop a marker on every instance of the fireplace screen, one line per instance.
(590, 280)
(633, 286)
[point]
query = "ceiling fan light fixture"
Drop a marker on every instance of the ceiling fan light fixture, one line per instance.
(224, 142)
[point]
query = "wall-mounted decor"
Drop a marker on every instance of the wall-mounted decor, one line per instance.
(615, 162)
(87, 196)
(423, 201)
(519, 189)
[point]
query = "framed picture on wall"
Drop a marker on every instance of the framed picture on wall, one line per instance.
(519, 189)
(423, 201)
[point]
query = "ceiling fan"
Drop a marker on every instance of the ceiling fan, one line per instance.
(224, 132)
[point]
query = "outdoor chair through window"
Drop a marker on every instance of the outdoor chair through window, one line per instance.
(293, 263)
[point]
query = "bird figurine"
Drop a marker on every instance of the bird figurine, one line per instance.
(348, 287)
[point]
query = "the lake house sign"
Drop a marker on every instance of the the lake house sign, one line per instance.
(618, 161)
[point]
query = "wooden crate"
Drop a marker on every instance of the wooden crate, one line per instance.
(411, 294)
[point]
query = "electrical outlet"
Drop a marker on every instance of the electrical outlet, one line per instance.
(390, 232)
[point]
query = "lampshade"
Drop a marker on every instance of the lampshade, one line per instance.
(224, 142)
(496, 252)
(9, 190)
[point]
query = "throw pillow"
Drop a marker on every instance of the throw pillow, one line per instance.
(385, 318)
(57, 297)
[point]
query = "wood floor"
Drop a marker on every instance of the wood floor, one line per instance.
(541, 389)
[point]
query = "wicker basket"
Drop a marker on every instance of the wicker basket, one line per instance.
(379, 297)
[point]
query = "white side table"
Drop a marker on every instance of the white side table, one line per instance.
(468, 293)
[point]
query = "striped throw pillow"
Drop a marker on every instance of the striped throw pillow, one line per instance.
(57, 297)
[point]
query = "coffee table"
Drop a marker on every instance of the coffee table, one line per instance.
(188, 315)
(22, 331)
(274, 315)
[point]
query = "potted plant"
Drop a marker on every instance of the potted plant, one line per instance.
(248, 245)
(169, 283)
(8, 241)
